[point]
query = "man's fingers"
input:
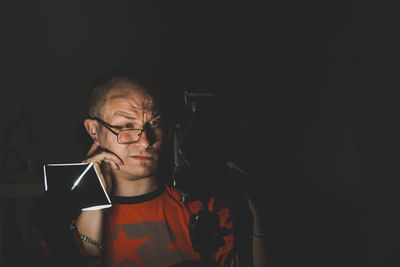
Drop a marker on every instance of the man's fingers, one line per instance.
(112, 164)
(104, 161)
(105, 156)
(253, 206)
(115, 159)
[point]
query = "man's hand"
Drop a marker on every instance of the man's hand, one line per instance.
(104, 161)
(259, 242)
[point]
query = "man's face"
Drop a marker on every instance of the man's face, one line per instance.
(131, 108)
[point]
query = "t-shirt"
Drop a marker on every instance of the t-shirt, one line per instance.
(153, 230)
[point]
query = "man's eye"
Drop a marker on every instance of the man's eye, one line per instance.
(128, 125)
(154, 124)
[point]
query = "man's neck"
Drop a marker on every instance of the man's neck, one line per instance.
(136, 187)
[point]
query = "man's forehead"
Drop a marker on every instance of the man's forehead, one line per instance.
(130, 99)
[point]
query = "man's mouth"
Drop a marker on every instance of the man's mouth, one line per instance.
(141, 157)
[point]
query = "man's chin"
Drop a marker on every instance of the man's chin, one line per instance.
(138, 173)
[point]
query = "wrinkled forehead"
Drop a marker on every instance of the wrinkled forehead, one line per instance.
(128, 98)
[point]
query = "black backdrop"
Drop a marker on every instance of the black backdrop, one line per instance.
(292, 81)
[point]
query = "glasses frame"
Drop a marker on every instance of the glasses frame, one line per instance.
(109, 127)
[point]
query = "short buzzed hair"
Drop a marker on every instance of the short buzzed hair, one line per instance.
(110, 80)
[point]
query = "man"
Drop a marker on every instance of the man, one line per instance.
(148, 224)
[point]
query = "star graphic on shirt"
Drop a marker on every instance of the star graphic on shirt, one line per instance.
(123, 249)
(144, 244)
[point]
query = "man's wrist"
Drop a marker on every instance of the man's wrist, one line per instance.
(259, 235)
(91, 241)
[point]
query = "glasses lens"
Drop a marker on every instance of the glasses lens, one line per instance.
(128, 136)
(152, 134)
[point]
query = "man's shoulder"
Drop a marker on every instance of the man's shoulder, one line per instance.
(176, 195)
(173, 192)
(216, 202)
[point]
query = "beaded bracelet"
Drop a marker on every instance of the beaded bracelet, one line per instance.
(91, 241)
(258, 235)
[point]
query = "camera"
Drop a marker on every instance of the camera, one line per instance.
(199, 167)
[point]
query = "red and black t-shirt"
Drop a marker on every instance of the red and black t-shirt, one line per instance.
(152, 230)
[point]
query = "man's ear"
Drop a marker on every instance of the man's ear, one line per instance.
(91, 127)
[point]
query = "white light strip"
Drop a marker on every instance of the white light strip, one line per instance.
(66, 164)
(45, 178)
(98, 177)
(83, 174)
(98, 207)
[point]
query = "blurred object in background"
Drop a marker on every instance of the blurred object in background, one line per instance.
(25, 143)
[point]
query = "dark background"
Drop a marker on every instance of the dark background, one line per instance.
(295, 77)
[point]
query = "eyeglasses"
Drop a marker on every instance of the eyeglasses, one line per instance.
(155, 132)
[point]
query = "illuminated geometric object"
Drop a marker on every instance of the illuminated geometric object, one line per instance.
(80, 181)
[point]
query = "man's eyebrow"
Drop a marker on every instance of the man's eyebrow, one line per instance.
(155, 115)
(123, 114)
(128, 116)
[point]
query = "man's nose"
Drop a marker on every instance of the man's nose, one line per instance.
(143, 139)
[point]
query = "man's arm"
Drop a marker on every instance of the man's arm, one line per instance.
(259, 251)
(259, 244)
(90, 223)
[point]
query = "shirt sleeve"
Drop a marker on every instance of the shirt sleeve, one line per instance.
(225, 254)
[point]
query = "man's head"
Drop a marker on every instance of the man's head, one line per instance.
(119, 103)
